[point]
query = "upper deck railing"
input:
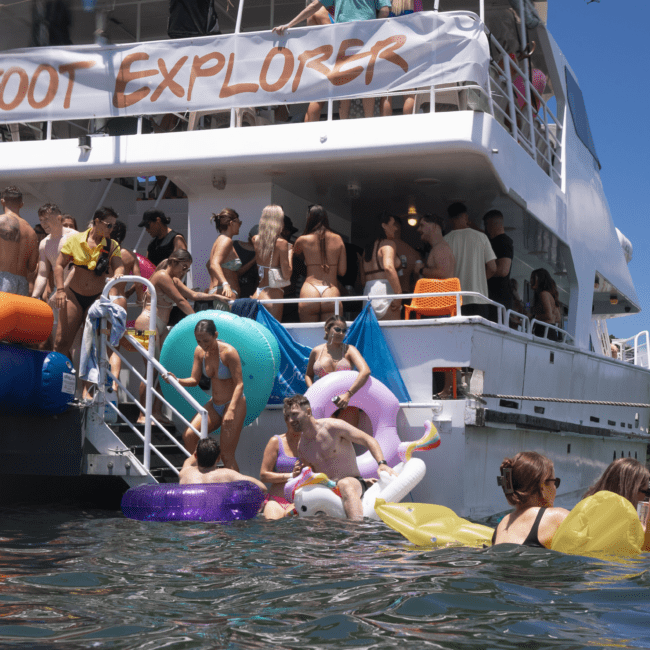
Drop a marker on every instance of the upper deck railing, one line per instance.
(505, 91)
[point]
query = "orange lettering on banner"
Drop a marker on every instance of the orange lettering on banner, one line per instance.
(199, 71)
(377, 51)
(168, 79)
(22, 88)
(120, 100)
(340, 77)
(52, 87)
(227, 90)
(70, 69)
(287, 70)
(321, 53)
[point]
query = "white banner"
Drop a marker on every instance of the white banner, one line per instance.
(255, 69)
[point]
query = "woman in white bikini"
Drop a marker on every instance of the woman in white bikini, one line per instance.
(224, 261)
(272, 257)
(334, 356)
(379, 269)
(220, 362)
(170, 291)
(324, 254)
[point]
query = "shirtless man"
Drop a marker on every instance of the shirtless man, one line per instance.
(201, 467)
(18, 245)
(48, 251)
(440, 262)
(327, 446)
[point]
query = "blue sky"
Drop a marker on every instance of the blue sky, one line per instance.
(606, 44)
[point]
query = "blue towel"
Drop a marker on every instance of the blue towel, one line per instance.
(245, 307)
(103, 307)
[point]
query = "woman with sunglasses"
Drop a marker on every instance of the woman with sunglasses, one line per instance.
(94, 256)
(170, 291)
(335, 355)
(529, 484)
(627, 477)
(224, 261)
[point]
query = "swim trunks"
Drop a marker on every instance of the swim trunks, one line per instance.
(12, 283)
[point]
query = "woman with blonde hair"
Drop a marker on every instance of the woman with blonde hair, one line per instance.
(224, 261)
(272, 257)
(324, 255)
(529, 484)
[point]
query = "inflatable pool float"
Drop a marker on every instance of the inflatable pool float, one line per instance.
(257, 347)
(604, 524)
(220, 502)
(374, 398)
(24, 320)
(147, 268)
(314, 494)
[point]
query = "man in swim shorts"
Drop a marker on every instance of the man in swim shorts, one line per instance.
(201, 467)
(326, 445)
(18, 245)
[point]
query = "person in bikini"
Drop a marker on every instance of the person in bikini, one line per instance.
(95, 257)
(170, 292)
(379, 269)
(272, 257)
(224, 261)
(278, 463)
(220, 363)
(324, 255)
(529, 484)
(201, 467)
(327, 446)
(336, 355)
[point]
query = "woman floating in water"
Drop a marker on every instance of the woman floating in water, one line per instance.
(529, 483)
(220, 362)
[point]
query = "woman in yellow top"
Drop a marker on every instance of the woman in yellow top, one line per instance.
(95, 257)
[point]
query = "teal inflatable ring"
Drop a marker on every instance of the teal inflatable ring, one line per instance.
(257, 347)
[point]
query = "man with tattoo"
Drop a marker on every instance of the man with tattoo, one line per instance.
(18, 245)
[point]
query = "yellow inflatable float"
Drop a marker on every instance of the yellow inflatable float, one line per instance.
(604, 524)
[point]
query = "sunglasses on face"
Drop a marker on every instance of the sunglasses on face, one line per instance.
(553, 480)
(340, 330)
(646, 492)
(108, 225)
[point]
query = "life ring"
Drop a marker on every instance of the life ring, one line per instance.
(315, 493)
(374, 398)
(257, 347)
(221, 502)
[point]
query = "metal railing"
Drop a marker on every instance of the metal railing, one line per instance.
(150, 394)
(563, 335)
(635, 349)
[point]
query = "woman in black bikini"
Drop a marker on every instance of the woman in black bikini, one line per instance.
(324, 254)
(220, 362)
(529, 483)
(95, 256)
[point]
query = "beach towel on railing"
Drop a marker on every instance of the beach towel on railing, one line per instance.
(294, 357)
(366, 335)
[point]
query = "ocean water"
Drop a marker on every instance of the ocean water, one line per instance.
(80, 578)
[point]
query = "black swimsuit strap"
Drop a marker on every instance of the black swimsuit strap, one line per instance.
(533, 535)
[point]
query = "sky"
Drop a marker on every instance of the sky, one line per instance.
(606, 44)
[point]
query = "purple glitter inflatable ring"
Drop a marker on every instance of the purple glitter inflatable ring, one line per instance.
(220, 502)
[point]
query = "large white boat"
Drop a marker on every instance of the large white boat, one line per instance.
(81, 126)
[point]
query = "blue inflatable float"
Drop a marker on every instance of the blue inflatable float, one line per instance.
(220, 502)
(257, 347)
(34, 381)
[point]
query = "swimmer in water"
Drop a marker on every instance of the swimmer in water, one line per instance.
(529, 483)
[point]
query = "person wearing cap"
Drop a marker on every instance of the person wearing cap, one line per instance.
(247, 274)
(289, 229)
(165, 240)
(499, 284)
(475, 259)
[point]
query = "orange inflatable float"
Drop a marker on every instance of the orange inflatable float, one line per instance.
(24, 320)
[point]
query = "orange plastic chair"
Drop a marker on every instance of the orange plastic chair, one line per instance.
(433, 305)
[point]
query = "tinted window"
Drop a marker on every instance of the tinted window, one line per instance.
(579, 114)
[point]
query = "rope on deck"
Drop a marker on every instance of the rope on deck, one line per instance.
(569, 401)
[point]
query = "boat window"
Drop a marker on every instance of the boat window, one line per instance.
(579, 114)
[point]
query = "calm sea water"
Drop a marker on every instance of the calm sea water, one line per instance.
(74, 578)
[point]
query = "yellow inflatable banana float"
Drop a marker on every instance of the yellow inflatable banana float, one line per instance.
(605, 524)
